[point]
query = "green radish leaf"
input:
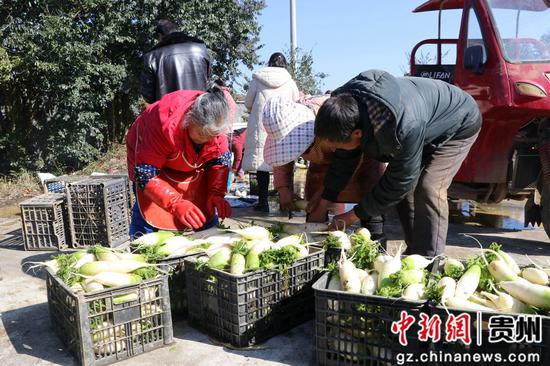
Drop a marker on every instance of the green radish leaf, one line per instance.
(331, 241)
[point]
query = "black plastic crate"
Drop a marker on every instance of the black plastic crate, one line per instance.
(177, 284)
(251, 308)
(58, 184)
(480, 339)
(355, 329)
(129, 183)
(43, 221)
(98, 330)
(98, 211)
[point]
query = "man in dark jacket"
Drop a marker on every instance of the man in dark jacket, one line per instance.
(423, 128)
(176, 62)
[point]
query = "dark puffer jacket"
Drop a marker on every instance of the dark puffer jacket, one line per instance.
(177, 62)
(427, 113)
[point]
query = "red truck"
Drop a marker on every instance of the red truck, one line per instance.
(503, 61)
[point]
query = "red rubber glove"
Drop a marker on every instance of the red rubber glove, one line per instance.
(221, 205)
(188, 214)
(166, 196)
(217, 185)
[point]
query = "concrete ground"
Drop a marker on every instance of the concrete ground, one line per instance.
(27, 339)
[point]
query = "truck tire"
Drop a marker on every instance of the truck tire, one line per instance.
(545, 207)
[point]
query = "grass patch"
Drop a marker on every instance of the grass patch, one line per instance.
(27, 184)
(19, 188)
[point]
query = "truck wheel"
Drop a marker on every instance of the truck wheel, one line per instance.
(545, 207)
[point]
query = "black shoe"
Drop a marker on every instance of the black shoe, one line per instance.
(380, 238)
(262, 207)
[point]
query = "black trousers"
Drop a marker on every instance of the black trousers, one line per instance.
(263, 186)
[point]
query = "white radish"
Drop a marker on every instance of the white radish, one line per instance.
(449, 287)
(289, 240)
(529, 293)
(363, 233)
(510, 261)
(349, 278)
(113, 279)
(453, 266)
(345, 243)
(467, 284)
(460, 303)
(501, 271)
(482, 301)
(506, 303)
(153, 238)
(91, 286)
(84, 259)
(416, 261)
(220, 239)
(369, 284)
(362, 273)
(121, 266)
(389, 267)
(253, 232)
(535, 275)
(414, 292)
(261, 246)
(380, 261)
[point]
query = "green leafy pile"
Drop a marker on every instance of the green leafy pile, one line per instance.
(240, 247)
(363, 253)
(332, 241)
(434, 292)
(66, 270)
(396, 284)
(282, 258)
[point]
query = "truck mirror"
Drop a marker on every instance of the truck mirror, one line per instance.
(474, 58)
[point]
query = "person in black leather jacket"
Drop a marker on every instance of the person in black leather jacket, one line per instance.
(423, 128)
(176, 62)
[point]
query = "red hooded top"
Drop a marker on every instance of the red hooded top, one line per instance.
(158, 134)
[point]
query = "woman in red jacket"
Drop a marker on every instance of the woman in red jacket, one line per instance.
(178, 158)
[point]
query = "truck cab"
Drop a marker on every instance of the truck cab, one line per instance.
(503, 61)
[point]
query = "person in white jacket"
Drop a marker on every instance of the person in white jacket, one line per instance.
(273, 80)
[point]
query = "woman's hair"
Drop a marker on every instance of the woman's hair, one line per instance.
(338, 117)
(210, 113)
(277, 60)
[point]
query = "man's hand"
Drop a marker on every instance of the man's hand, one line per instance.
(343, 221)
(286, 199)
(188, 214)
(319, 213)
(220, 204)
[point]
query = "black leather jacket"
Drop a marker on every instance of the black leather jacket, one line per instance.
(177, 62)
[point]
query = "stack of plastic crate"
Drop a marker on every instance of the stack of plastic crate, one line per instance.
(43, 221)
(98, 211)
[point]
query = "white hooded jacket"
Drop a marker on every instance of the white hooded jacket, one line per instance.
(266, 83)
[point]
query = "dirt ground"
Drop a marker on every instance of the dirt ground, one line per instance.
(26, 337)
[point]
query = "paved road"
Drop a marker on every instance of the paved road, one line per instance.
(27, 339)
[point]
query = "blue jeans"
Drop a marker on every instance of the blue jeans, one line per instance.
(139, 226)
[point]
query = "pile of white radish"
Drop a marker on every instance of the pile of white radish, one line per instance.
(98, 268)
(250, 249)
(494, 282)
(366, 270)
(165, 244)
